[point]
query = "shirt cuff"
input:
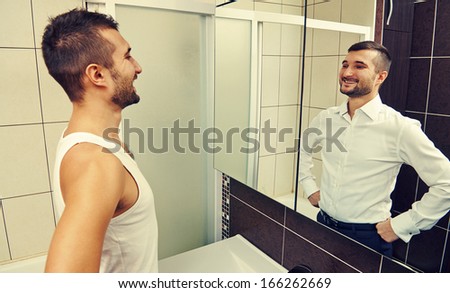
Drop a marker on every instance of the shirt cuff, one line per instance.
(404, 227)
(309, 186)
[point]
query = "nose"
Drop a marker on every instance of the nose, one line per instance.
(137, 67)
(346, 71)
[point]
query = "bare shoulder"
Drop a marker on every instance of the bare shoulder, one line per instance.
(88, 169)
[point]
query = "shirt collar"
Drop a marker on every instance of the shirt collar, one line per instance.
(371, 108)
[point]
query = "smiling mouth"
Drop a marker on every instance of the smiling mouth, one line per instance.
(349, 81)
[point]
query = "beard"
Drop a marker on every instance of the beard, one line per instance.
(124, 94)
(360, 89)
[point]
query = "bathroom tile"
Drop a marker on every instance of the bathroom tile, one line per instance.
(266, 175)
(348, 39)
(400, 248)
(325, 43)
(16, 15)
(4, 247)
(271, 38)
(29, 224)
(354, 254)
(421, 255)
(284, 174)
(291, 39)
(241, 4)
(305, 118)
(268, 130)
(438, 130)
(298, 251)
(418, 85)
(391, 266)
(294, 10)
(268, 7)
(18, 81)
(287, 129)
(440, 87)
(24, 148)
(44, 9)
(417, 116)
(257, 200)
(53, 132)
(357, 12)
(422, 35)
(306, 81)
(404, 192)
(260, 230)
(446, 258)
(289, 80)
(324, 81)
(293, 2)
(270, 80)
(442, 34)
(56, 105)
(330, 11)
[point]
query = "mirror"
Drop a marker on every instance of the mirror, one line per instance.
(272, 77)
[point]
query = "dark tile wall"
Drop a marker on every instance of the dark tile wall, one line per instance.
(292, 239)
(428, 101)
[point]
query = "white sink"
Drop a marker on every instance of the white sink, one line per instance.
(232, 255)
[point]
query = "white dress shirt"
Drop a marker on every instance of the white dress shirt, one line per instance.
(361, 158)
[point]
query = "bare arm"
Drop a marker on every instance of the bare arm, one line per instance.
(92, 184)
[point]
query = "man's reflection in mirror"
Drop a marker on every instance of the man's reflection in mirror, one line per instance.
(362, 159)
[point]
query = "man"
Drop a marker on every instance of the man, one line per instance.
(361, 159)
(105, 207)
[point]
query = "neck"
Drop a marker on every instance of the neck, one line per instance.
(94, 116)
(354, 103)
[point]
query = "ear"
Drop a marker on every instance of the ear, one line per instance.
(382, 76)
(96, 74)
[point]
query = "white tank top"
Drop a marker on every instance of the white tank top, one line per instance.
(131, 241)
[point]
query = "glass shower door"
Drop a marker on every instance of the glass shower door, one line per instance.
(163, 130)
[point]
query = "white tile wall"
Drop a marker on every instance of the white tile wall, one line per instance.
(271, 39)
(4, 248)
(268, 141)
(324, 81)
(56, 106)
(270, 80)
(44, 9)
(16, 27)
(284, 174)
(19, 87)
(26, 214)
(289, 80)
(266, 175)
(291, 39)
(24, 162)
(30, 224)
(53, 132)
(288, 120)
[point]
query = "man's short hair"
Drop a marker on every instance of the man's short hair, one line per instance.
(383, 62)
(71, 42)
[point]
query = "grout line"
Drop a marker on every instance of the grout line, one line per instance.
(6, 229)
(42, 109)
(431, 65)
(322, 249)
(258, 211)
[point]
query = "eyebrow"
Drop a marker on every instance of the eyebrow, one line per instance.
(358, 62)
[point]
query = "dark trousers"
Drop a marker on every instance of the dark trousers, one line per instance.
(364, 233)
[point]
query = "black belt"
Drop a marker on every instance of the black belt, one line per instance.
(331, 222)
